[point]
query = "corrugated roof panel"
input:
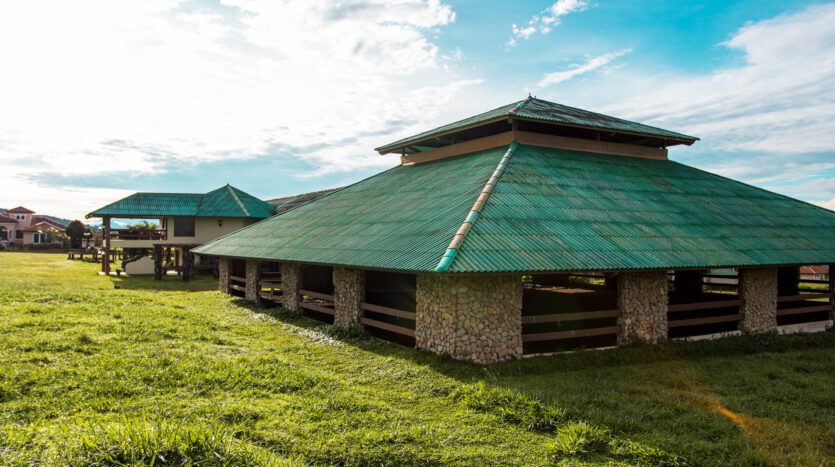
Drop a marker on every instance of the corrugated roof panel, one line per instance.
(617, 212)
(226, 201)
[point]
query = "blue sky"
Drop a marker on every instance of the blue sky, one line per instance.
(281, 97)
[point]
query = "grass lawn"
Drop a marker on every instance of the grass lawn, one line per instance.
(156, 373)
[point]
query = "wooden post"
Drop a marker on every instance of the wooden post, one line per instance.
(158, 262)
(188, 264)
(105, 261)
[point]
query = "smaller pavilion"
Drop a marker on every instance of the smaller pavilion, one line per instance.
(185, 221)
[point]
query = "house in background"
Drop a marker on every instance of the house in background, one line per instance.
(185, 221)
(21, 226)
(814, 273)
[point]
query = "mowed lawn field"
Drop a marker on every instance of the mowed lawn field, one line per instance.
(128, 371)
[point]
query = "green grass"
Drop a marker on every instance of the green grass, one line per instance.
(167, 373)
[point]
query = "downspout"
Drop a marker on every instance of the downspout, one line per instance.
(459, 237)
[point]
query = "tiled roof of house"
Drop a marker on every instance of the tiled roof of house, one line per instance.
(21, 210)
(226, 201)
(4, 219)
(550, 210)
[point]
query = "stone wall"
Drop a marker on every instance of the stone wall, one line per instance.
(291, 274)
(349, 293)
(223, 274)
(642, 299)
(472, 318)
(253, 281)
(758, 292)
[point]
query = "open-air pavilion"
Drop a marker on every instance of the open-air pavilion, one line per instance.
(537, 227)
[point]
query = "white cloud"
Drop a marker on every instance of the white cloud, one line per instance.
(827, 204)
(546, 20)
(579, 69)
(98, 87)
(781, 100)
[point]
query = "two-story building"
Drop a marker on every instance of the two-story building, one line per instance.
(184, 221)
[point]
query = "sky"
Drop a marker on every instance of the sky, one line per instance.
(101, 99)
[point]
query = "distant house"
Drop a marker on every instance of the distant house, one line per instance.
(21, 226)
(814, 273)
(185, 221)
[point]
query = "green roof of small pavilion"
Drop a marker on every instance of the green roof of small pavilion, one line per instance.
(226, 201)
(540, 110)
(550, 210)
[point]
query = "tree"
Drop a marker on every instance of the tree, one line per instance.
(75, 230)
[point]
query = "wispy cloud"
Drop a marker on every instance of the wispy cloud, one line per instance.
(546, 20)
(590, 65)
(827, 204)
(781, 100)
(98, 87)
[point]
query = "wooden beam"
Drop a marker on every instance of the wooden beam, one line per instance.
(318, 295)
(677, 323)
(589, 145)
(387, 326)
(559, 317)
(319, 308)
(473, 145)
(105, 261)
(804, 309)
(704, 305)
(388, 311)
(550, 336)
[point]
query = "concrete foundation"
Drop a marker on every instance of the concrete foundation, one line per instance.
(472, 318)
(642, 299)
(291, 276)
(758, 292)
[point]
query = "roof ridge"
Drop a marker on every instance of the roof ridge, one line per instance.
(472, 216)
(237, 200)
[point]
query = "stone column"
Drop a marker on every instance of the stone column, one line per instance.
(158, 271)
(758, 292)
(253, 281)
(349, 293)
(642, 300)
(223, 274)
(291, 278)
(472, 318)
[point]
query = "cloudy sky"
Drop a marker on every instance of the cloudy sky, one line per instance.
(99, 99)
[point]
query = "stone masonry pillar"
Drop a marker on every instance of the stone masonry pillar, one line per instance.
(223, 274)
(253, 281)
(758, 292)
(349, 293)
(472, 318)
(291, 278)
(642, 300)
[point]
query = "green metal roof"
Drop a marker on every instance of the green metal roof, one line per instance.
(551, 210)
(291, 202)
(542, 110)
(226, 201)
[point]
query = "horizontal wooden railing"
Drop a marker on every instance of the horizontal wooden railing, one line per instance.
(550, 336)
(328, 310)
(708, 305)
(701, 321)
(237, 283)
(384, 310)
(567, 317)
(804, 309)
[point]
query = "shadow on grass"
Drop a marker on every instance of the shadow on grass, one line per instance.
(169, 283)
(561, 362)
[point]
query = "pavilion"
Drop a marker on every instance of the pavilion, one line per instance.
(537, 227)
